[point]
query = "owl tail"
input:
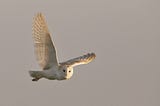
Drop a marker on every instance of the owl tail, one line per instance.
(36, 75)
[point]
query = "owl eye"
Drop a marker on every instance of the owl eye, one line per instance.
(64, 70)
(69, 71)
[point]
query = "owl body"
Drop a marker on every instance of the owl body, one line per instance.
(62, 73)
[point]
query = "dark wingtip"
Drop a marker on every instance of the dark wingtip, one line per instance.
(93, 55)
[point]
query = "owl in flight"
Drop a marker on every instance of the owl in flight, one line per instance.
(47, 56)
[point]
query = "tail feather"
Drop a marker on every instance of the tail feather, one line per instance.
(36, 75)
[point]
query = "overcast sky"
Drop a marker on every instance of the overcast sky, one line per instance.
(124, 34)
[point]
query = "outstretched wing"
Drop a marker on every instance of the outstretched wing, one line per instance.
(44, 48)
(85, 59)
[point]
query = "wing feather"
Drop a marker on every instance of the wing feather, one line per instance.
(85, 59)
(44, 48)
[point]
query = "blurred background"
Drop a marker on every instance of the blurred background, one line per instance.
(124, 34)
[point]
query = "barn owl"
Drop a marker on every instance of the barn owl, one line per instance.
(47, 56)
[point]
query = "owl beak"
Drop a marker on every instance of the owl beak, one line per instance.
(66, 77)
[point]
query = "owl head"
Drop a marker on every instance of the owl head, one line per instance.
(65, 72)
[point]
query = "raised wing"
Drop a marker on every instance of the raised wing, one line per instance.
(85, 59)
(44, 48)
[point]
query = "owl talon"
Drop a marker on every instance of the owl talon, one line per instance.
(35, 79)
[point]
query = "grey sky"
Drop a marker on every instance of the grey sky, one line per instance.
(124, 34)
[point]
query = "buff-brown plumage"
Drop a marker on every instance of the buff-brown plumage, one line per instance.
(44, 48)
(85, 59)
